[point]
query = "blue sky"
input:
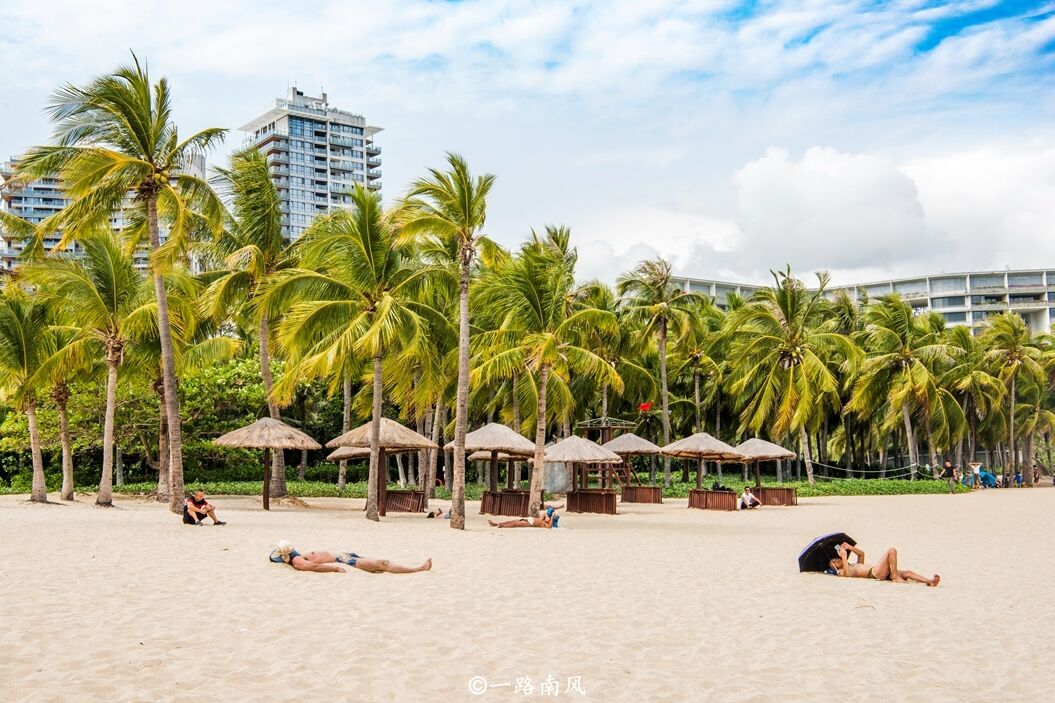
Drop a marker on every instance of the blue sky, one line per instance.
(868, 138)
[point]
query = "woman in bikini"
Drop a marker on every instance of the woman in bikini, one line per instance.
(885, 569)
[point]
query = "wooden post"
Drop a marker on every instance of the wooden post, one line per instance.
(382, 481)
(699, 473)
(267, 478)
(493, 478)
(758, 475)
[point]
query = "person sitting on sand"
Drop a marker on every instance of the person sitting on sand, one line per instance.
(547, 518)
(196, 508)
(883, 570)
(748, 500)
(322, 561)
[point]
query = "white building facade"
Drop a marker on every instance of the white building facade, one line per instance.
(316, 154)
(961, 298)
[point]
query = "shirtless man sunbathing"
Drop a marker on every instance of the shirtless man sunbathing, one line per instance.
(321, 561)
(546, 519)
(885, 569)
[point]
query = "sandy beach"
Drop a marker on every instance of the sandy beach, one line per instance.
(659, 603)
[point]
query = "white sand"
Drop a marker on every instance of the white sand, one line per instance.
(659, 603)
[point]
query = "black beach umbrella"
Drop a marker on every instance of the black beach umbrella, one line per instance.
(819, 552)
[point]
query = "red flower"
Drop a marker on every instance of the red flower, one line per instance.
(645, 407)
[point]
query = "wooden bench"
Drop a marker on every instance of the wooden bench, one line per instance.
(511, 501)
(399, 501)
(771, 495)
(642, 494)
(712, 500)
(592, 500)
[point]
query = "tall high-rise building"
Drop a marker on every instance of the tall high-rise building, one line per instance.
(316, 153)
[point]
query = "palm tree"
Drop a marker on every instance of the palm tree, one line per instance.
(1011, 351)
(780, 354)
(541, 331)
(978, 391)
(353, 296)
(252, 249)
(99, 294)
(26, 340)
(900, 371)
(649, 293)
(452, 205)
(115, 137)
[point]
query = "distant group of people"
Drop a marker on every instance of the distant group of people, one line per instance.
(978, 478)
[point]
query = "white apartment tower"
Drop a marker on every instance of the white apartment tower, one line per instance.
(316, 154)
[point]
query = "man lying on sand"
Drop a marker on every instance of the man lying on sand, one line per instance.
(545, 519)
(883, 570)
(321, 561)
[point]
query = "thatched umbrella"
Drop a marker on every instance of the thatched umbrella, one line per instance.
(758, 450)
(578, 450)
(345, 453)
(494, 438)
(704, 447)
(629, 444)
(393, 438)
(267, 434)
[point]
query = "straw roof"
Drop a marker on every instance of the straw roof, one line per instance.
(702, 446)
(497, 437)
(343, 453)
(629, 443)
(576, 450)
(486, 456)
(393, 436)
(266, 433)
(760, 450)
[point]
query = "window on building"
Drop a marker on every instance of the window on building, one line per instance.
(987, 280)
(949, 302)
(944, 285)
(1024, 279)
(955, 316)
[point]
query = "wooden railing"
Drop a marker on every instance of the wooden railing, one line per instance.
(511, 501)
(712, 500)
(642, 494)
(592, 500)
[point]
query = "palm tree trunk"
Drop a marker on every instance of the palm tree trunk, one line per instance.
(346, 424)
(535, 495)
(461, 408)
(910, 439)
(278, 459)
(119, 465)
(168, 366)
(516, 467)
(67, 451)
(848, 449)
(1027, 460)
(804, 440)
(105, 497)
(39, 492)
(375, 448)
(434, 454)
(696, 399)
(420, 462)
(1011, 428)
(163, 449)
(931, 449)
(604, 400)
(303, 466)
(401, 471)
(664, 397)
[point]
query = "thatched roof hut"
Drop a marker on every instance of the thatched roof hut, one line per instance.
(702, 446)
(267, 433)
(394, 437)
(486, 456)
(629, 444)
(760, 450)
(344, 453)
(496, 437)
(576, 450)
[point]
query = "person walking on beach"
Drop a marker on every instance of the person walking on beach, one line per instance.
(885, 569)
(334, 562)
(196, 508)
(949, 473)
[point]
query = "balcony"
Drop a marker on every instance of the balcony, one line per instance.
(989, 306)
(279, 171)
(373, 161)
(372, 148)
(1027, 288)
(373, 173)
(374, 185)
(913, 294)
(988, 289)
(340, 188)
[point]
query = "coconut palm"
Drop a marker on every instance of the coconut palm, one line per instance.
(978, 391)
(115, 137)
(649, 294)
(452, 205)
(26, 341)
(900, 371)
(100, 294)
(252, 249)
(541, 332)
(780, 351)
(1012, 352)
(352, 297)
